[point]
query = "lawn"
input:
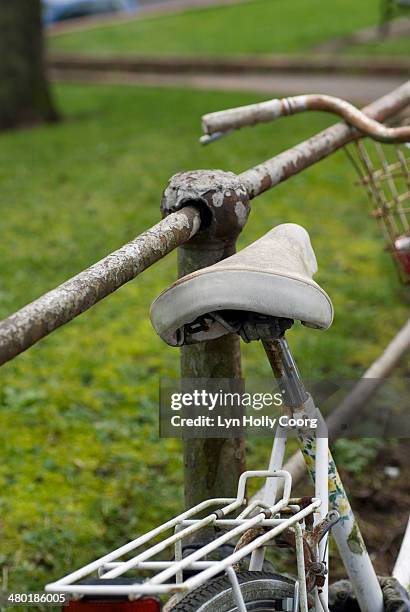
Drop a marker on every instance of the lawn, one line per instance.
(82, 468)
(259, 26)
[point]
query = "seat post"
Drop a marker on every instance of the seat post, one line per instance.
(296, 398)
(285, 371)
(322, 469)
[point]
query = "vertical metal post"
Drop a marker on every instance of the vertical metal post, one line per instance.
(303, 600)
(270, 490)
(401, 569)
(322, 491)
(236, 589)
(211, 466)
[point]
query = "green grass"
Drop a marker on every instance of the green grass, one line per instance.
(81, 466)
(261, 26)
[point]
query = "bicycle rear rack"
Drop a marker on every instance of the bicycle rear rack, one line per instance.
(168, 577)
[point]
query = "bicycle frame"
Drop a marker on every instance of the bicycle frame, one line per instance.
(328, 484)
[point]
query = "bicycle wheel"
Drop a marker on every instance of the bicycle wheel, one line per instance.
(261, 591)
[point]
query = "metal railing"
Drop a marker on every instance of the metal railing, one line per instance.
(59, 306)
(28, 325)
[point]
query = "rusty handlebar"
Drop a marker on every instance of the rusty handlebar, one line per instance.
(273, 171)
(218, 124)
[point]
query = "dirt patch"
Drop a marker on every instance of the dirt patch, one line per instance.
(382, 503)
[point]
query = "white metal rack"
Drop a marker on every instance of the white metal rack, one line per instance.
(168, 575)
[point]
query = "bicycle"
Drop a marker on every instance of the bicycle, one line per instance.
(258, 294)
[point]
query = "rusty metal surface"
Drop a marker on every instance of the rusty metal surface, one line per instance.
(36, 320)
(265, 112)
(212, 467)
(281, 167)
(221, 198)
(315, 569)
(273, 350)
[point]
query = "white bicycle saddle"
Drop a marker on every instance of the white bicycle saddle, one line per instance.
(272, 277)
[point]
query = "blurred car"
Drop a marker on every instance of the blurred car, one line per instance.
(61, 10)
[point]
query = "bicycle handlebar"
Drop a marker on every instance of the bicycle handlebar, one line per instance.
(221, 123)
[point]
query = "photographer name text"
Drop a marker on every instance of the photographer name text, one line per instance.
(244, 421)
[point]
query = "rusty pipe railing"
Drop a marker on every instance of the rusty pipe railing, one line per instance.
(223, 122)
(36, 320)
(281, 167)
(59, 306)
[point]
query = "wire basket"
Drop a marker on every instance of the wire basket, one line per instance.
(384, 173)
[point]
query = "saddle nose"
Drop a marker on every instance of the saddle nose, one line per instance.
(271, 277)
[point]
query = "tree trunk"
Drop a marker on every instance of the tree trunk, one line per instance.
(24, 94)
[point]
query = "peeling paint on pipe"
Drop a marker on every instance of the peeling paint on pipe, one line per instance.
(265, 112)
(59, 306)
(55, 308)
(281, 167)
